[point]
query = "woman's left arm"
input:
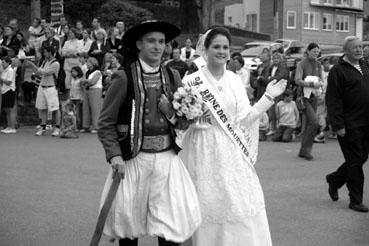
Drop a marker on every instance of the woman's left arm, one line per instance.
(247, 114)
(94, 79)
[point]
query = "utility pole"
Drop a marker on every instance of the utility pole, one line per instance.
(35, 9)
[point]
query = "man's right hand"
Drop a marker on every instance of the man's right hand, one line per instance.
(117, 163)
(341, 132)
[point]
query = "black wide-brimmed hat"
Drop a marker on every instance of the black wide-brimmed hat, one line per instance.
(133, 34)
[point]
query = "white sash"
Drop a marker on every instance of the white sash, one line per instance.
(213, 101)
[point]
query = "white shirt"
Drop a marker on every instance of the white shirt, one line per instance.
(72, 46)
(98, 84)
(9, 75)
(85, 45)
(274, 70)
(147, 68)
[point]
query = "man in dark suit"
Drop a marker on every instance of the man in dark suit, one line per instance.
(347, 100)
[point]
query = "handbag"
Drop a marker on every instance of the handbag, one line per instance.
(300, 103)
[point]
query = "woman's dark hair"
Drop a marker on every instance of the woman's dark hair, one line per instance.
(312, 46)
(234, 54)
(240, 60)
(119, 57)
(7, 59)
(78, 70)
(213, 33)
(38, 20)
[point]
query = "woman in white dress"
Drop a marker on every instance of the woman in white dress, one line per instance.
(231, 198)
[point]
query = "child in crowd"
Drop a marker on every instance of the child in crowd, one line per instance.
(287, 117)
(69, 122)
(263, 126)
(83, 61)
(76, 93)
(321, 111)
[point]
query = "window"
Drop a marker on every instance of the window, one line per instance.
(251, 22)
(328, 2)
(346, 3)
(342, 23)
(311, 20)
(230, 19)
(291, 19)
(327, 22)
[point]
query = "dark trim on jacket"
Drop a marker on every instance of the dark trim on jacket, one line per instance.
(123, 108)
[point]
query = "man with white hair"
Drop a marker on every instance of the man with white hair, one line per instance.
(347, 101)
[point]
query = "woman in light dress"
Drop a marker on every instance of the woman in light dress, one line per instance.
(231, 198)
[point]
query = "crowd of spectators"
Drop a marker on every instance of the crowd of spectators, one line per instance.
(51, 65)
(48, 66)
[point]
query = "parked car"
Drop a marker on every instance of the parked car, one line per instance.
(252, 50)
(333, 58)
(330, 49)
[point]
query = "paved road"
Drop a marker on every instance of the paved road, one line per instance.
(50, 189)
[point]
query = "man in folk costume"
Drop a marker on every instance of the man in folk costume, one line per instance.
(136, 127)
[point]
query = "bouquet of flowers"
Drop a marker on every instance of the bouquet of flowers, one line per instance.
(187, 104)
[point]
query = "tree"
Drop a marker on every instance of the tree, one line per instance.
(82, 10)
(196, 15)
(115, 10)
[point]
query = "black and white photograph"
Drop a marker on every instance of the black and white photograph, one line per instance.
(184, 122)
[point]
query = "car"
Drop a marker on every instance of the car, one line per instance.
(330, 49)
(252, 50)
(332, 57)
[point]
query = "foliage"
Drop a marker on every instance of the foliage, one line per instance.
(116, 10)
(82, 10)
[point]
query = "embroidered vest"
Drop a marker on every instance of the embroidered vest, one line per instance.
(132, 114)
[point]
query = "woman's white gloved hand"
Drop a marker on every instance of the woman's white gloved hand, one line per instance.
(275, 88)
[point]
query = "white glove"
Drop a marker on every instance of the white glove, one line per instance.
(275, 88)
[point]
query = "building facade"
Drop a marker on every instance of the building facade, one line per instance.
(322, 21)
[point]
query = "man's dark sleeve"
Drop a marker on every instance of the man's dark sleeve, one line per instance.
(334, 99)
(107, 125)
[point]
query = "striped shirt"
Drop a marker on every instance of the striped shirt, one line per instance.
(357, 66)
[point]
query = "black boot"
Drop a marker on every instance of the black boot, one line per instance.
(163, 242)
(128, 242)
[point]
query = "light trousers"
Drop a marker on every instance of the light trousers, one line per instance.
(91, 107)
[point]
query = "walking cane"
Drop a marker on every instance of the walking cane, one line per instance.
(105, 209)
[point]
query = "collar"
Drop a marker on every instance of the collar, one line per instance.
(146, 68)
(341, 60)
(8, 68)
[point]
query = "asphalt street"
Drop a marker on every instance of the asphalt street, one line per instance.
(50, 191)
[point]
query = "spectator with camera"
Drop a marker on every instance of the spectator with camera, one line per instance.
(47, 95)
